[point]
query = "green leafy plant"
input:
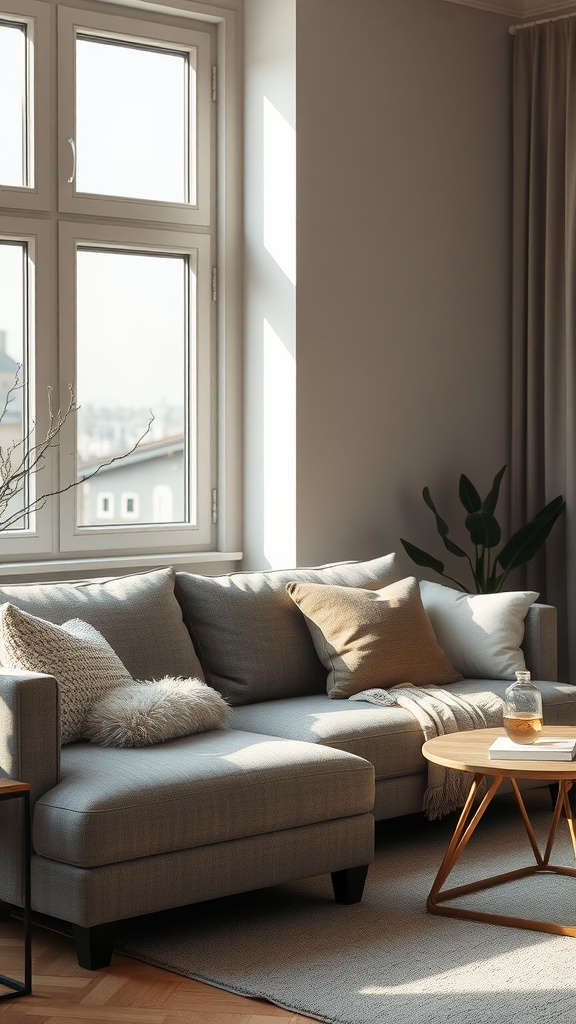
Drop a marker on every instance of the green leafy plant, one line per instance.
(489, 570)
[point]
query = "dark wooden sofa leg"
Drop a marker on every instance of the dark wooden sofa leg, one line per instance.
(6, 909)
(348, 885)
(94, 946)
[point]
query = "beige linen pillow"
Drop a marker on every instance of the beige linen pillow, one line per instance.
(75, 653)
(480, 633)
(155, 711)
(372, 638)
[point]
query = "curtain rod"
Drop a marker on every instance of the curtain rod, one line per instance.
(543, 21)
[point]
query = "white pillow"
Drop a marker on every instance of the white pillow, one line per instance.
(152, 712)
(480, 634)
(76, 654)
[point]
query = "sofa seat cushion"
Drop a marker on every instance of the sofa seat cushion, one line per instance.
(251, 638)
(389, 737)
(115, 805)
(138, 615)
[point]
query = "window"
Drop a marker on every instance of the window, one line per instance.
(14, 163)
(136, 121)
(14, 262)
(24, 104)
(162, 503)
(130, 505)
(104, 505)
(131, 211)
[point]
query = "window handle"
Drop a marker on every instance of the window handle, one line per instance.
(73, 148)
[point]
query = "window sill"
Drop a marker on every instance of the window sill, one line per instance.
(203, 562)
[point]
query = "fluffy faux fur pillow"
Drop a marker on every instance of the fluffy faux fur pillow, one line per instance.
(152, 712)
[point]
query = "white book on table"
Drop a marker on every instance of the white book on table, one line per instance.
(543, 749)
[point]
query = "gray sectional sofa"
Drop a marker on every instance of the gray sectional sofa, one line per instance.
(290, 789)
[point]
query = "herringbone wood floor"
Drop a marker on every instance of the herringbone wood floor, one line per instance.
(127, 992)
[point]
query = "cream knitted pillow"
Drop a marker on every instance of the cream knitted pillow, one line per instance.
(77, 655)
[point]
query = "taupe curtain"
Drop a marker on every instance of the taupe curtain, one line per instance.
(543, 462)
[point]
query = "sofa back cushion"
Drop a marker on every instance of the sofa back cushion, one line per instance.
(251, 638)
(138, 615)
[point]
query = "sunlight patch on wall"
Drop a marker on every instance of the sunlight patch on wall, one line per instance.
(279, 155)
(279, 460)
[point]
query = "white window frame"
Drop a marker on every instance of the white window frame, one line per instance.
(37, 17)
(41, 553)
(202, 454)
(196, 45)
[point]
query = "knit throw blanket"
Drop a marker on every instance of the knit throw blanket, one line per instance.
(439, 712)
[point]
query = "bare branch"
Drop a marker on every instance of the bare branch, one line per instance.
(18, 385)
(15, 473)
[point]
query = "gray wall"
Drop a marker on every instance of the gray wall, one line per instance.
(402, 297)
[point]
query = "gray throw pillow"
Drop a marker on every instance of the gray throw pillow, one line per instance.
(153, 712)
(480, 633)
(251, 639)
(137, 614)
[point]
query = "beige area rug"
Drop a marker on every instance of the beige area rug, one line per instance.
(386, 959)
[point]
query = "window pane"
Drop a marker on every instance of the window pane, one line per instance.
(132, 356)
(13, 338)
(13, 105)
(131, 114)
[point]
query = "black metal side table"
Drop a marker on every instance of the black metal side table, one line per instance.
(12, 790)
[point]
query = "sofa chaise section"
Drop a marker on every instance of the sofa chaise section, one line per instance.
(122, 832)
(118, 833)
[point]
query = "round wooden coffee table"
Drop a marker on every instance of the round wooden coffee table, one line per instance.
(469, 752)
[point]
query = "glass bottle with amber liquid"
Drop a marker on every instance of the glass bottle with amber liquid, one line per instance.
(523, 710)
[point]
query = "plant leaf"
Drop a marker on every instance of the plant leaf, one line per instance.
(422, 557)
(469, 495)
(478, 572)
(442, 526)
(524, 544)
(558, 503)
(453, 548)
(491, 500)
(484, 529)
(495, 581)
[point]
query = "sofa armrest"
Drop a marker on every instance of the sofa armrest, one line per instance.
(539, 644)
(30, 752)
(29, 730)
